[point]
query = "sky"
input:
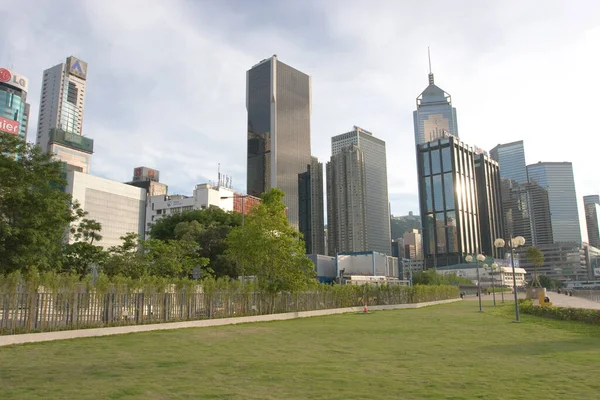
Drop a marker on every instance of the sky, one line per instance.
(166, 80)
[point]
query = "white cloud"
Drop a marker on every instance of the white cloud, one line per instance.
(166, 84)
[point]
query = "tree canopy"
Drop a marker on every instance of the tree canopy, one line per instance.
(35, 213)
(536, 258)
(269, 249)
(208, 228)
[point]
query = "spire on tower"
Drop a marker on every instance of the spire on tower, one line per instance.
(430, 73)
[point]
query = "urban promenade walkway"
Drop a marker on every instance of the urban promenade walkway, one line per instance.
(6, 340)
(560, 300)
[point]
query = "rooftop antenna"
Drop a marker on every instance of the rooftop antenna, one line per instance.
(430, 73)
(219, 174)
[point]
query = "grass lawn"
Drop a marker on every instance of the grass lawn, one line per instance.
(441, 352)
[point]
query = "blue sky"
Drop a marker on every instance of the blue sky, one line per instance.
(166, 80)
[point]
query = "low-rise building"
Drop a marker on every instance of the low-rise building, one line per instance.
(118, 207)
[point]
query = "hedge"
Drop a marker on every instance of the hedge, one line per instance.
(561, 313)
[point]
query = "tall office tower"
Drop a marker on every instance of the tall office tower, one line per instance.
(278, 100)
(347, 217)
(557, 179)
(378, 207)
(511, 157)
(591, 205)
(413, 245)
(310, 203)
(14, 109)
(448, 201)
(434, 117)
(61, 115)
(491, 224)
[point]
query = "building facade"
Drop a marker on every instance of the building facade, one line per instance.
(149, 180)
(591, 206)
(60, 121)
(511, 158)
(448, 201)
(120, 208)
(434, 117)
(278, 101)
(557, 179)
(375, 165)
(14, 109)
(491, 223)
(412, 243)
(311, 207)
(347, 202)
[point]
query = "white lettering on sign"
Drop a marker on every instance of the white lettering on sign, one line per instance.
(9, 126)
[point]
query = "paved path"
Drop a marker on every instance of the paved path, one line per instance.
(560, 300)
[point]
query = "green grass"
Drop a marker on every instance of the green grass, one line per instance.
(441, 352)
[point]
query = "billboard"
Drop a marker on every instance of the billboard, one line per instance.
(77, 67)
(15, 80)
(9, 126)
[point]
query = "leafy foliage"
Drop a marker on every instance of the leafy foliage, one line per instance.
(430, 277)
(536, 258)
(561, 313)
(208, 228)
(34, 213)
(270, 249)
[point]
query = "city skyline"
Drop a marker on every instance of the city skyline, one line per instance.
(184, 113)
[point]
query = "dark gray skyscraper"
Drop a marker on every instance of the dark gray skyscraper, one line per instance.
(557, 179)
(592, 219)
(491, 224)
(434, 117)
(311, 213)
(378, 207)
(278, 100)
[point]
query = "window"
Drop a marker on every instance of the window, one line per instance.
(425, 161)
(438, 196)
(449, 190)
(446, 159)
(435, 162)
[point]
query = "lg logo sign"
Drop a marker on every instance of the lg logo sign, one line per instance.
(13, 79)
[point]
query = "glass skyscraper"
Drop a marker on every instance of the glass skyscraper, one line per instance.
(14, 109)
(311, 210)
(434, 117)
(511, 157)
(378, 207)
(557, 179)
(592, 219)
(278, 101)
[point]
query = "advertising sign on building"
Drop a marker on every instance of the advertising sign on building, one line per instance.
(77, 67)
(596, 272)
(13, 79)
(9, 126)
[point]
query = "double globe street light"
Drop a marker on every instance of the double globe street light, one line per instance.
(479, 258)
(512, 244)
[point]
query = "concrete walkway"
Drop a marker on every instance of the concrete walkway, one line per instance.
(80, 333)
(560, 300)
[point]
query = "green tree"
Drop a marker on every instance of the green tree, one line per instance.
(270, 249)
(209, 228)
(35, 213)
(81, 253)
(430, 277)
(536, 258)
(126, 258)
(173, 258)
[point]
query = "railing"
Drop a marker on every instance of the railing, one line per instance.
(43, 310)
(593, 295)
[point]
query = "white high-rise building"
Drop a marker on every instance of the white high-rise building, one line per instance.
(60, 119)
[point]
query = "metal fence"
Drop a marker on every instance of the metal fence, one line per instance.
(593, 295)
(42, 310)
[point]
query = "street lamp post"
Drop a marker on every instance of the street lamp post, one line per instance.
(491, 272)
(496, 267)
(480, 257)
(513, 243)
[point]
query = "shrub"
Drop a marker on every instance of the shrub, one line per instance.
(561, 313)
